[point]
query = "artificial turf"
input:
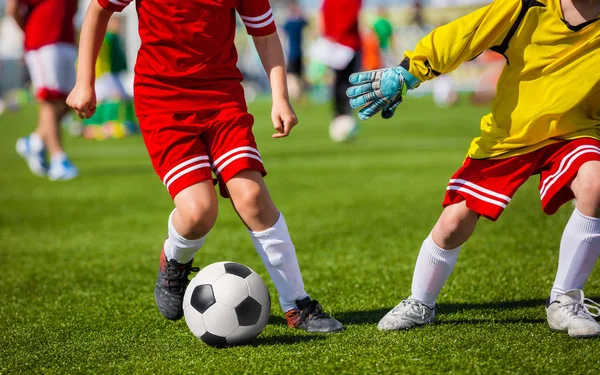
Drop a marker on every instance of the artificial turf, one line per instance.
(78, 259)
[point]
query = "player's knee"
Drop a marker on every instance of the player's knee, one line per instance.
(455, 226)
(586, 186)
(248, 201)
(199, 216)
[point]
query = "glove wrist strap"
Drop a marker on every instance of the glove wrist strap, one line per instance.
(411, 81)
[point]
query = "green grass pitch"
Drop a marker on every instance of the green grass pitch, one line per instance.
(78, 259)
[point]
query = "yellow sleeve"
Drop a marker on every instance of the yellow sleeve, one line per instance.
(446, 47)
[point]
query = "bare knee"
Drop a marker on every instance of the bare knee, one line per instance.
(252, 201)
(586, 188)
(455, 226)
(197, 209)
(196, 218)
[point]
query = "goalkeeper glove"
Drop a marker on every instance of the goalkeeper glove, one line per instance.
(379, 90)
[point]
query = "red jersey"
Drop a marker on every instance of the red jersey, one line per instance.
(340, 22)
(187, 59)
(48, 22)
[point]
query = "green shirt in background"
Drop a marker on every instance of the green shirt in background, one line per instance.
(384, 30)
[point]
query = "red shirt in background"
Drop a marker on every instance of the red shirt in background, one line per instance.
(187, 59)
(49, 22)
(340, 22)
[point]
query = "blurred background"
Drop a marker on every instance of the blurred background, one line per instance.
(387, 29)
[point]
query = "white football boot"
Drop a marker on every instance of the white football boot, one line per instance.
(410, 313)
(62, 169)
(570, 312)
(32, 149)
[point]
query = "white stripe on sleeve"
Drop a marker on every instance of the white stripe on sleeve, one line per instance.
(259, 25)
(257, 19)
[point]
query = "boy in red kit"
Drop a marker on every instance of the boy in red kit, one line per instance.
(340, 25)
(50, 54)
(194, 121)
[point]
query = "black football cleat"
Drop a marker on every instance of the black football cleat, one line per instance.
(310, 317)
(170, 286)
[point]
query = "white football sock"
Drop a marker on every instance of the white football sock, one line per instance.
(434, 266)
(35, 142)
(179, 248)
(579, 249)
(277, 252)
(58, 157)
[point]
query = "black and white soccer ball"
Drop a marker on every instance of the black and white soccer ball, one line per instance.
(226, 303)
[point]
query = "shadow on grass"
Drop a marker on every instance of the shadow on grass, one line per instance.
(373, 316)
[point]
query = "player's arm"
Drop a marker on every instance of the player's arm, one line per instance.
(83, 96)
(258, 18)
(271, 54)
(14, 9)
(441, 51)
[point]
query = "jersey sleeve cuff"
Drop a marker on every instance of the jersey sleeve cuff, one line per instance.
(114, 5)
(261, 25)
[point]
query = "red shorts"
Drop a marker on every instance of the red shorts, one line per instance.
(488, 185)
(185, 148)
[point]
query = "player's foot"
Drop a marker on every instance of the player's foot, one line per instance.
(310, 317)
(32, 149)
(410, 313)
(170, 286)
(61, 168)
(343, 128)
(570, 312)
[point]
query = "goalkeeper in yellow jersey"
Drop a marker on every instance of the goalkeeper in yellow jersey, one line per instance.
(545, 121)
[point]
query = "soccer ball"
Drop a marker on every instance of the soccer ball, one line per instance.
(343, 128)
(226, 303)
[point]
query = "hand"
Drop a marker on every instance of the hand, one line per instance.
(283, 117)
(377, 90)
(83, 100)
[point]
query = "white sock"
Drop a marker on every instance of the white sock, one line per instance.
(277, 252)
(434, 266)
(579, 249)
(58, 157)
(35, 142)
(179, 248)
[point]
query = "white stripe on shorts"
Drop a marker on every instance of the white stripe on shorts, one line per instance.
(238, 149)
(563, 168)
(181, 165)
(187, 170)
(460, 182)
(238, 156)
(477, 195)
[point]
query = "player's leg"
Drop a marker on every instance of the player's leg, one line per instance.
(51, 114)
(580, 244)
(343, 127)
(238, 166)
(271, 238)
(52, 71)
(434, 265)
(180, 159)
(469, 195)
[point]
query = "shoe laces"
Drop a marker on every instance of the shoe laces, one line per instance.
(584, 308)
(177, 274)
(411, 304)
(312, 311)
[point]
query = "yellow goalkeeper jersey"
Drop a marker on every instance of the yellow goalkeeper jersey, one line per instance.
(548, 91)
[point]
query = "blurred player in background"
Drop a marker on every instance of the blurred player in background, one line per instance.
(294, 27)
(383, 28)
(545, 120)
(194, 120)
(114, 116)
(50, 54)
(342, 50)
